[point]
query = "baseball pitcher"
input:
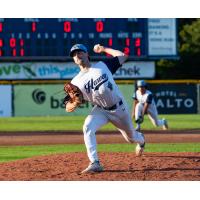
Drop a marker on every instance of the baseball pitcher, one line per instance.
(143, 103)
(94, 83)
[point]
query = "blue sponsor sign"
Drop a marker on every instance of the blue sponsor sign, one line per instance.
(175, 98)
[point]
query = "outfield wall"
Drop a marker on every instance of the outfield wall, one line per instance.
(6, 100)
(45, 98)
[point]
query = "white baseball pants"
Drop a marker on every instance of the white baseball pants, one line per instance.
(98, 117)
(152, 114)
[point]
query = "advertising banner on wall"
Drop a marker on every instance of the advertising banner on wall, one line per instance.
(175, 98)
(53, 70)
(45, 100)
(136, 70)
(47, 70)
(39, 100)
(5, 100)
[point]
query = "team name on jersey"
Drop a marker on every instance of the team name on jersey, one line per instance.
(95, 84)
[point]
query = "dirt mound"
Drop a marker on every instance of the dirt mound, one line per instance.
(44, 138)
(118, 167)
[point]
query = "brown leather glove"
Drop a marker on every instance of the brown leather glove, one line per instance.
(73, 94)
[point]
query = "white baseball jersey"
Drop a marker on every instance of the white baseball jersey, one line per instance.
(97, 84)
(147, 97)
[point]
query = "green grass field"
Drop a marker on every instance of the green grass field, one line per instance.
(176, 122)
(19, 152)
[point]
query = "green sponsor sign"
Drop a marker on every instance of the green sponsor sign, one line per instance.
(45, 100)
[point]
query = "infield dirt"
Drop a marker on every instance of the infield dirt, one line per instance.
(118, 166)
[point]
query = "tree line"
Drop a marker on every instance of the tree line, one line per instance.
(187, 66)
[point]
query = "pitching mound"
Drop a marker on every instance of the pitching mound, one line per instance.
(118, 167)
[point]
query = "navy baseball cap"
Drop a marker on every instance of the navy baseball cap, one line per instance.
(77, 47)
(141, 83)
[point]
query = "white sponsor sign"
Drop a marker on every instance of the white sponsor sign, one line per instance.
(135, 70)
(5, 101)
(162, 37)
(39, 70)
(15, 71)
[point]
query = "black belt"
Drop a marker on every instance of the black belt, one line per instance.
(114, 107)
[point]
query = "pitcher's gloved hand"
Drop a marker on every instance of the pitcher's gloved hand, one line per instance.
(73, 94)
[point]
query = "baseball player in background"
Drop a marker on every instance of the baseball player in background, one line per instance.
(143, 103)
(98, 87)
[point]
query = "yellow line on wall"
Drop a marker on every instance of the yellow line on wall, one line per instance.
(13, 82)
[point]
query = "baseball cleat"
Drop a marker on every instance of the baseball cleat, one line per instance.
(139, 149)
(93, 167)
(165, 126)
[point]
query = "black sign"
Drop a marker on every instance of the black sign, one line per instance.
(175, 98)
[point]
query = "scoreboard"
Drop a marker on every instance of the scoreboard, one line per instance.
(43, 39)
